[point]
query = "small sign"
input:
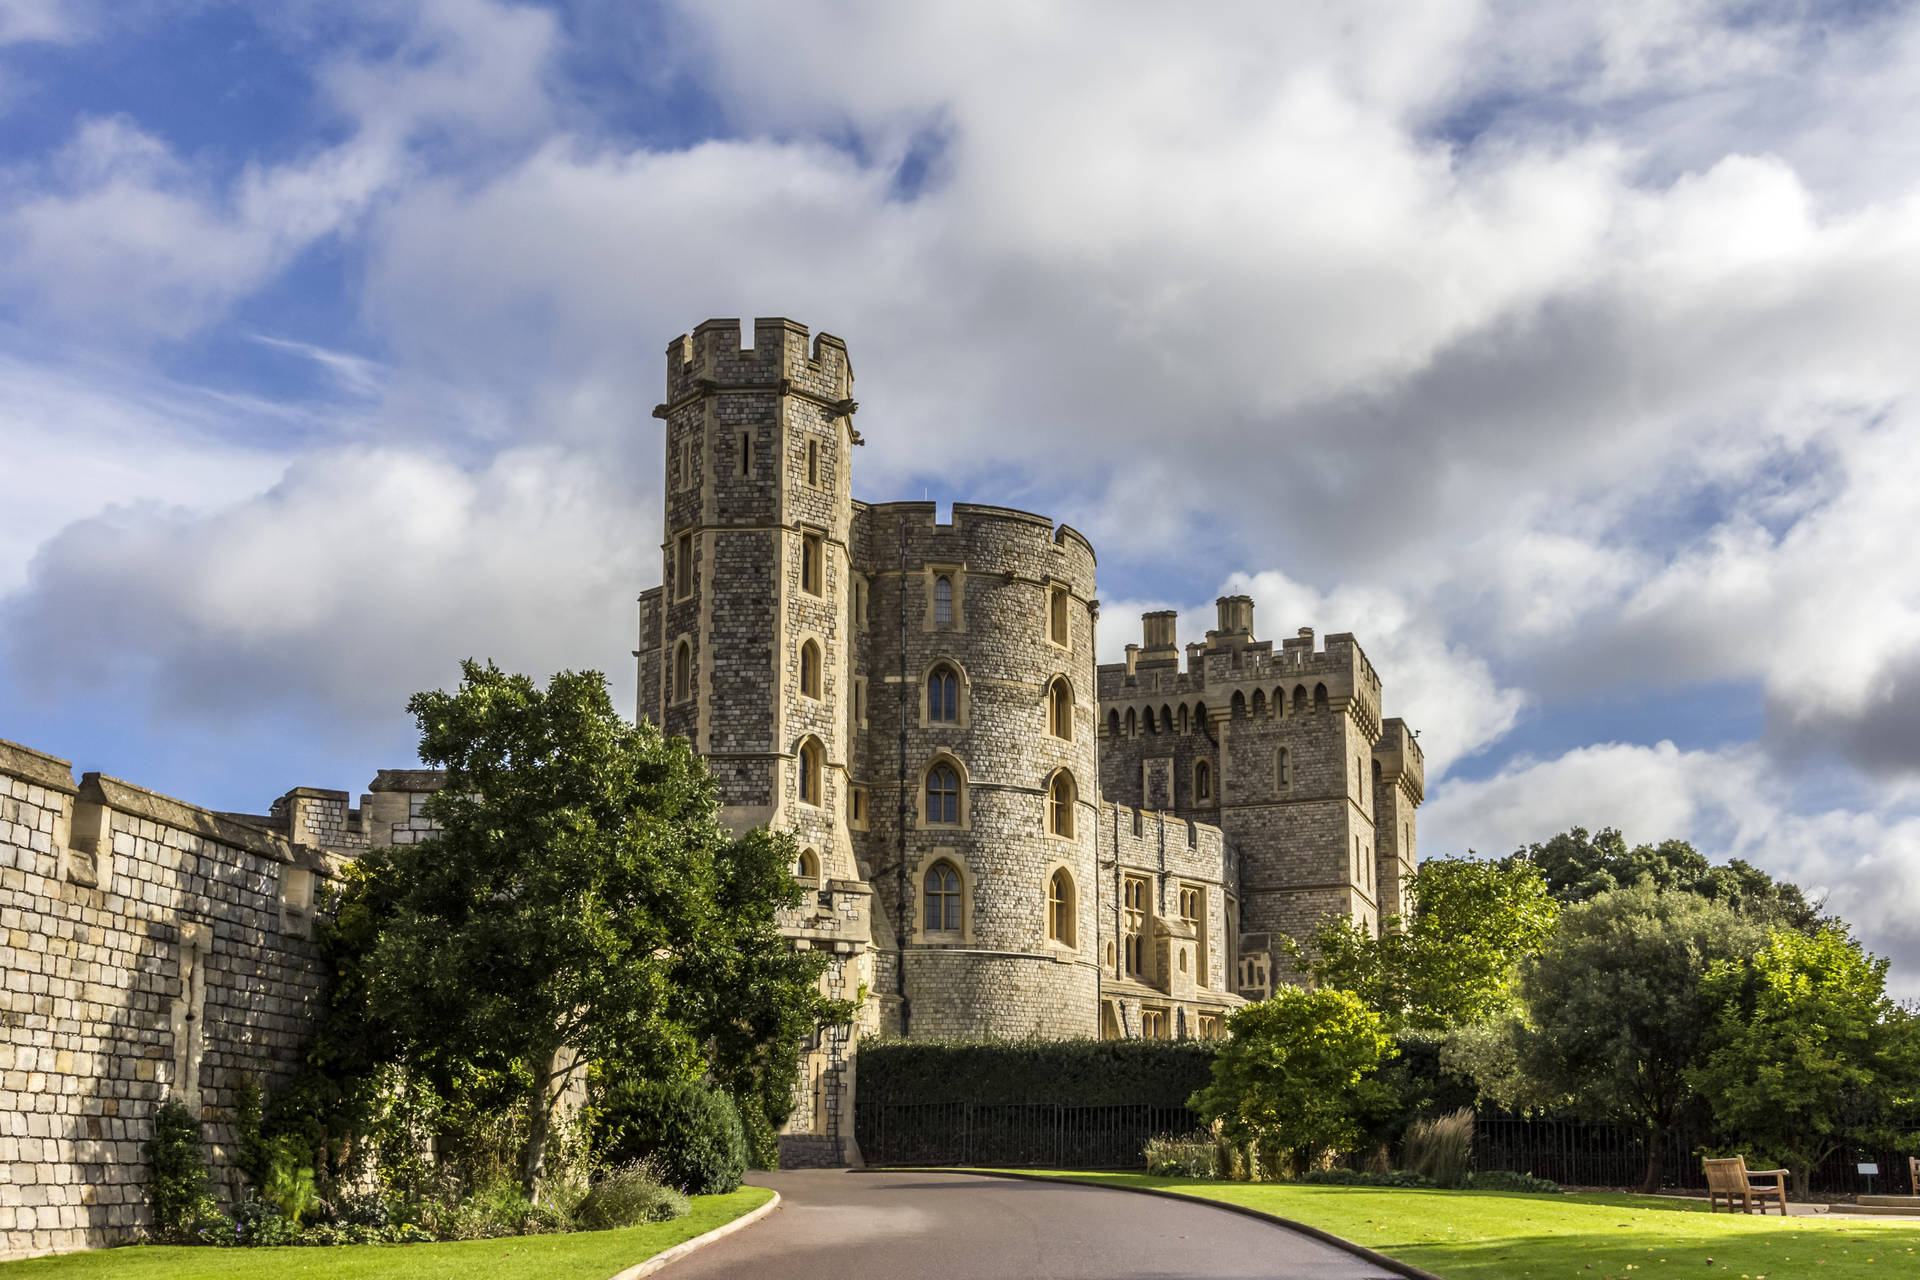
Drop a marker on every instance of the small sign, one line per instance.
(1870, 1170)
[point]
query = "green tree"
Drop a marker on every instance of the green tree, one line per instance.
(580, 900)
(1298, 1074)
(1453, 962)
(1806, 1049)
(1579, 867)
(1616, 1013)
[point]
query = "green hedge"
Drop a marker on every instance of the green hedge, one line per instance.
(1088, 1073)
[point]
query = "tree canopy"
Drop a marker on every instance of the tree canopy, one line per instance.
(1579, 868)
(1806, 1053)
(1618, 1014)
(579, 901)
(1453, 962)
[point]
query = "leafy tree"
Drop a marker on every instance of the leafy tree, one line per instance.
(1579, 867)
(1297, 1074)
(1453, 962)
(1806, 1048)
(579, 900)
(1617, 1015)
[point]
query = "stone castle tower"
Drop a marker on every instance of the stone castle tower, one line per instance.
(918, 703)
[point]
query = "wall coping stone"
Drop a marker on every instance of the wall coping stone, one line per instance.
(124, 797)
(408, 780)
(36, 767)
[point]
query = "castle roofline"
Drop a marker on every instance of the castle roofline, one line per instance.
(982, 511)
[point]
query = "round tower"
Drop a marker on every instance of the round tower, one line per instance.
(981, 773)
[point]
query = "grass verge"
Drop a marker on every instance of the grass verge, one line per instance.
(1498, 1235)
(581, 1255)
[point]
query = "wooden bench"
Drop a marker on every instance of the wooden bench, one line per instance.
(1732, 1180)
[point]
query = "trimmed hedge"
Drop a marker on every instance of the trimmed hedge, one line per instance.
(1084, 1073)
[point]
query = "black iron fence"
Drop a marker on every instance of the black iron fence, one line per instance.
(1037, 1134)
(1602, 1155)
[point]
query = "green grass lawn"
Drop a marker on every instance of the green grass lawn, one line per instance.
(1493, 1235)
(584, 1255)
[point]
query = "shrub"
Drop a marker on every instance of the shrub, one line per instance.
(1509, 1180)
(260, 1222)
(1193, 1155)
(1361, 1178)
(177, 1181)
(628, 1196)
(692, 1131)
(1440, 1148)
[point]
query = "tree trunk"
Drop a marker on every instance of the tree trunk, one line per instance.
(1651, 1182)
(1802, 1181)
(533, 1160)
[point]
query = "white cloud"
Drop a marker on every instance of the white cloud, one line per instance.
(363, 575)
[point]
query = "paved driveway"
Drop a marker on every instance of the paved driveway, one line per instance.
(835, 1225)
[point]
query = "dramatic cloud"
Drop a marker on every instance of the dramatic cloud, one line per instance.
(361, 577)
(1559, 354)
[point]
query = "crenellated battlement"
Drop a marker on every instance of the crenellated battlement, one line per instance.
(981, 538)
(712, 358)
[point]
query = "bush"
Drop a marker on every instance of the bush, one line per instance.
(1075, 1073)
(1440, 1148)
(260, 1222)
(1509, 1180)
(289, 1184)
(763, 1139)
(627, 1197)
(1193, 1155)
(1360, 1178)
(177, 1181)
(691, 1131)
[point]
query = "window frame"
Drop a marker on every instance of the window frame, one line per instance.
(1060, 708)
(953, 900)
(812, 668)
(1203, 796)
(1057, 622)
(681, 686)
(813, 562)
(1062, 908)
(683, 566)
(1059, 807)
(812, 757)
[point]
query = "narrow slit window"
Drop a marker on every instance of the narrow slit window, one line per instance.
(813, 462)
(810, 669)
(812, 573)
(1057, 616)
(943, 600)
(683, 566)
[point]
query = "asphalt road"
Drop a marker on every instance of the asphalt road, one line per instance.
(835, 1225)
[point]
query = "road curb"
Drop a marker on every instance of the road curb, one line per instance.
(666, 1257)
(1397, 1267)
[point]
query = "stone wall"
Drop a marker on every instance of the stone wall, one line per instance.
(149, 948)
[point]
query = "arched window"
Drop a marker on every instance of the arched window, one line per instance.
(807, 865)
(1060, 709)
(1133, 722)
(1319, 697)
(943, 695)
(1259, 702)
(1057, 616)
(812, 766)
(810, 669)
(1283, 767)
(1238, 708)
(813, 554)
(1280, 701)
(1166, 717)
(1060, 804)
(1299, 699)
(1186, 726)
(1202, 782)
(943, 795)
(1060, 907)
(943, 600)
(682, 671)
(942, 889)
(1113, 724)
(1148, 722)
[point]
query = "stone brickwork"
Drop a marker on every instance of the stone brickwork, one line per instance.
(1313, 789)
(149, 948)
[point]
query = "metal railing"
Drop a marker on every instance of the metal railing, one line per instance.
(1041, 1135)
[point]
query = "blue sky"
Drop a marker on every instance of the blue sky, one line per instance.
(1564, 357)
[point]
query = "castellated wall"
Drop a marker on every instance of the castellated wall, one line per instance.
(998, 973)
(148, 947)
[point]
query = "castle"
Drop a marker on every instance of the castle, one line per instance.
(998, 836)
